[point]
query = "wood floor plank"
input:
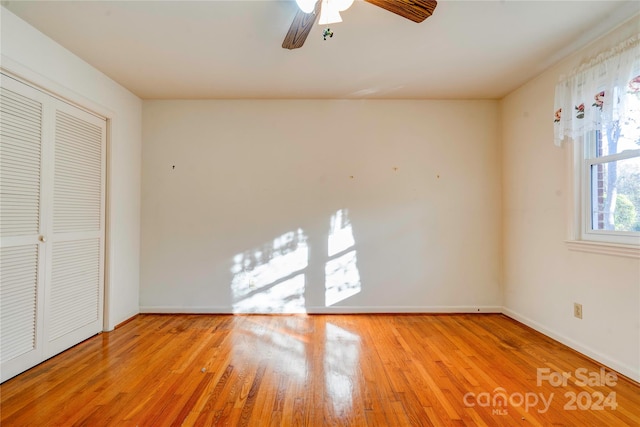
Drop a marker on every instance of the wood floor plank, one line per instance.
(313, 370)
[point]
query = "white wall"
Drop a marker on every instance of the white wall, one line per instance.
(542, 277)
(427, 235)
(250, 171)
(38, 59)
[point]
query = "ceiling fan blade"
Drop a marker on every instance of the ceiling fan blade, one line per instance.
(300, 28)
(415, 10)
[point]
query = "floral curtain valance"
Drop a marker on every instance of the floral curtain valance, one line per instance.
(599, 94)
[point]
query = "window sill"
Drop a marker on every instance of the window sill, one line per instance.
(628, 251)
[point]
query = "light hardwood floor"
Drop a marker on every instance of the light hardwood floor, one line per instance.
(318, 370)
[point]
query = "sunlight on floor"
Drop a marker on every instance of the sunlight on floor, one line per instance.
(341, 360)
(282, 339)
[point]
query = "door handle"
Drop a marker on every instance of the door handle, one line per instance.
(42, 239)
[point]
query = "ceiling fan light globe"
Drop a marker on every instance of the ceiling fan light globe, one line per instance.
(307, 6)
(329, 14)
(332, 17)
(342, 5)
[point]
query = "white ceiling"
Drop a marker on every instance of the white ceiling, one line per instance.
(232, 49)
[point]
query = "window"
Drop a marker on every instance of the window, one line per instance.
(609, 179)
(598, 108)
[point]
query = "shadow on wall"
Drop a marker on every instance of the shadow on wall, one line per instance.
(272, 278)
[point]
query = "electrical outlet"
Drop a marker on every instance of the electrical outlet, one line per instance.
(577, 310)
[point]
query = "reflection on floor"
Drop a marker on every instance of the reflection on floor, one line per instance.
(316, 370)
(341, 356)
(286, 340)
(289, 342)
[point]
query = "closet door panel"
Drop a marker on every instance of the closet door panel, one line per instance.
(75, 278)
(22, 228)
(77, 203)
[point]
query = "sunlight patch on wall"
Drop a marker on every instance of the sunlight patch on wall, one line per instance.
(341, 360)
(341, 233)
(285, 297)
(342, 278)
(270, 279)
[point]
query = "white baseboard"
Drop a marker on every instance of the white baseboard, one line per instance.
(403, 309)
(330, 310)
(163, 309)
(622, 368)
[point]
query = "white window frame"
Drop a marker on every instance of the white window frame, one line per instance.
(582, 237)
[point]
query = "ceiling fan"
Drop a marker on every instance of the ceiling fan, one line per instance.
(414, 10)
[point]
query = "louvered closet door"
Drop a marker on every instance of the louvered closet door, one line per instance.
(22, 225)
(75, 275)
(52, 191)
